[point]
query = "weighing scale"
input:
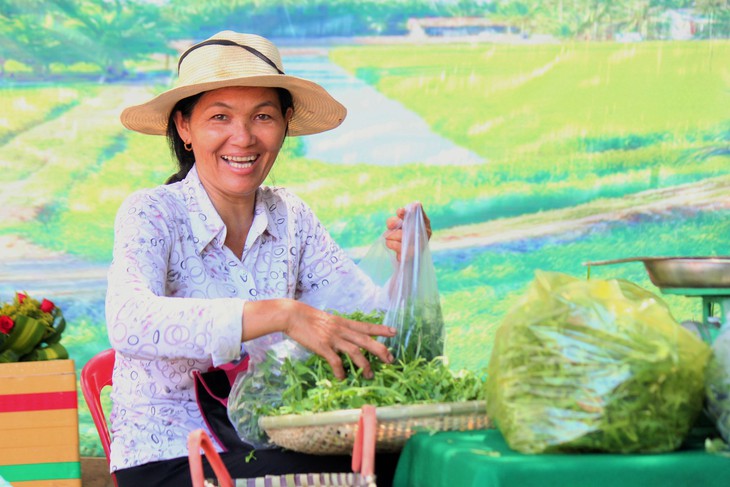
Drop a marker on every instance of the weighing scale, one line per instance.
(704, 277)
(715, 308)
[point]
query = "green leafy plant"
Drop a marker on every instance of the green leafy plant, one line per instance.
(30, 330)
(312, 388)
(285, 385)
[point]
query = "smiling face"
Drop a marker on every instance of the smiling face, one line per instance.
(236, 134)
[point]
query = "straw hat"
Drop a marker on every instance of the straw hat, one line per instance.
(232, 59)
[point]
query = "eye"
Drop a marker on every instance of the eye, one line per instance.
(263, 116)
(219, 116)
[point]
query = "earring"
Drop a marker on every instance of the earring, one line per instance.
(188, 146)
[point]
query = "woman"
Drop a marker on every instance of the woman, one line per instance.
(244, 258)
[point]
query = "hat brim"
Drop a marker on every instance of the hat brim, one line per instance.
(315, 110)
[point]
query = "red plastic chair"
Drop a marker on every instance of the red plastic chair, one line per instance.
(95, 376)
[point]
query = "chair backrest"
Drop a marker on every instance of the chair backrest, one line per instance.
(95, 376)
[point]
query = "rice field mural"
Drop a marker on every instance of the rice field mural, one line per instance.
(529, 150)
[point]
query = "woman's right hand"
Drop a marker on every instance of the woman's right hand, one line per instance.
(320, 332)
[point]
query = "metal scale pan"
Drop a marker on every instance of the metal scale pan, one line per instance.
(705, 277)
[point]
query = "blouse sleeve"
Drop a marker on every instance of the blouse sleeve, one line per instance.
(328, 277)
(142, 320)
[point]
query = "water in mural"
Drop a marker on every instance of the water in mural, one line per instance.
(526, 155)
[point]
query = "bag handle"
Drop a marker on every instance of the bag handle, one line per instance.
(197, 440)
(363, 452)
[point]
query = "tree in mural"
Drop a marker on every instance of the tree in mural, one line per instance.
(717, 13)
(112, 34)
(26, 36)
(599, 19)
(104, 34)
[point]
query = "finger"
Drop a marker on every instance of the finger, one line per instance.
(393, 244)
(368, 330)
(396, 236)
(393, 223)
(379, 350)
(335, 362)
(364, 340)
(396, 245)
(359, 360)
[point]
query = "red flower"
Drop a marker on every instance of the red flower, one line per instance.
(47, 306)
(21, 297)
(6, 324)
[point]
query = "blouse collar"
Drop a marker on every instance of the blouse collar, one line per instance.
(208, 227)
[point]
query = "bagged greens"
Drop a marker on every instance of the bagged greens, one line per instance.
(414, 306)
(260, 387)
(596, 365)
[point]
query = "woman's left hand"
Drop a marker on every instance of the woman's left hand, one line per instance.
(394, 239)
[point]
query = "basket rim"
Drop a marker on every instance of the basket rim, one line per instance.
(383, 413)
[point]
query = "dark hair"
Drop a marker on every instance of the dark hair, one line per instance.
(186, 158)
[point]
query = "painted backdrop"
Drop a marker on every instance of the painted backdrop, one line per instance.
(528, 150)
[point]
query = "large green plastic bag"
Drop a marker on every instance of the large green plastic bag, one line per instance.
(594, 365)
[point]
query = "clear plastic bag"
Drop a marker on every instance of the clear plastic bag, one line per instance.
(718, 383)
(414, 306)
(261, 387)
(594, 365)
(407, 291)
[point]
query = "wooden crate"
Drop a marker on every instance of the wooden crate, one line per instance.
(39, 425)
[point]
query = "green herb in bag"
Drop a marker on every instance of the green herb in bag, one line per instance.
(597, 365)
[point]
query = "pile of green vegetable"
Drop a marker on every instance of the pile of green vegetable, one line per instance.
(285, 384)
(594, 365)
(312, 388)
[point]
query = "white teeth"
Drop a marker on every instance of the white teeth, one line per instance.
(239, 158)
(240, 165)
(239, 162)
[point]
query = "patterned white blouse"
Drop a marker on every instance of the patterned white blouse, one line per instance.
(169, 245)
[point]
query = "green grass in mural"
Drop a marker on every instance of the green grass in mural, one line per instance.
(46, 162)
(87, 222)
(528, 104)
(26, 107)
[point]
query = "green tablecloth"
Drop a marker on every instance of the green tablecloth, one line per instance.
(482, 458)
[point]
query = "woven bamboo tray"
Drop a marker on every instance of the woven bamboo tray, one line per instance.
(334, 432)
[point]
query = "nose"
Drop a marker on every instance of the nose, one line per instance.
(243, 134)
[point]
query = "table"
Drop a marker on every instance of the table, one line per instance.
(482, 458)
